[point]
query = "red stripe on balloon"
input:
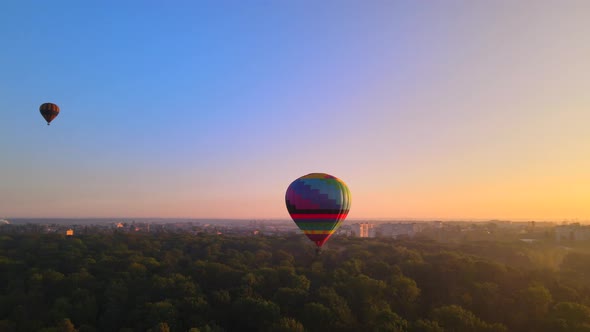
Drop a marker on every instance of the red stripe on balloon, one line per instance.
(319, 216)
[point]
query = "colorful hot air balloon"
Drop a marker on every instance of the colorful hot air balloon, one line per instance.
(318, 203)
(49, 111)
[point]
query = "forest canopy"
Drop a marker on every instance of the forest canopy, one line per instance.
(184, 282)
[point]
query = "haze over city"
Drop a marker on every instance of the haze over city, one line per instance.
(427, 110)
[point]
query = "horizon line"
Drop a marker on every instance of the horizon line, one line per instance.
(464, 219)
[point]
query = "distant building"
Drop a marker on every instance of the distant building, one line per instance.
(363, 229)
(399, 229)
(572, 232)
(70, 232)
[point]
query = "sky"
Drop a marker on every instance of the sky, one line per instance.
(210, 109)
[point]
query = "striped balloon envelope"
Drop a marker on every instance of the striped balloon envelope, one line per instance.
(318, 203)
(49, 111)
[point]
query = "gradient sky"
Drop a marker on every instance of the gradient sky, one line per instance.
(426, 109)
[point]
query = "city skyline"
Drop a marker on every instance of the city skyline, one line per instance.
(437, 111)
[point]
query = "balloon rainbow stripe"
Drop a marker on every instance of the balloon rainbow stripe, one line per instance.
(318, 203)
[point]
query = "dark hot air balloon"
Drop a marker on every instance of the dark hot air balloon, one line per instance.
(318, 203)
(49, 111)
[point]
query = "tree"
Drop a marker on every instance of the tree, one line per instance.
(317, 317)
(66, 326)
(569, 316)
(455, 318)
(424, 325)
(7, 325)
(250, 314)
(163, 311)
(532, 307)
(287, 324)
(290, 301)
(485, 297)
(160, 327)
(342, 314)
(405, 294)
(365, 296)
(387, 321)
